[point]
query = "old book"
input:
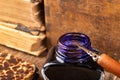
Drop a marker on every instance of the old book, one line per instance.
(12, 68)
(27, 12)
(22, 25)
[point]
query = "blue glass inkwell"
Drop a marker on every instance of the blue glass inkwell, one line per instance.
(68, 52)
(66, 61)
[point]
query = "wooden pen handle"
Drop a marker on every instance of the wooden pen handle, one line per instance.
(109, 64)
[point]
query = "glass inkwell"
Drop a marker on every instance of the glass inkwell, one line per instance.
(68, 52)
(68, 62)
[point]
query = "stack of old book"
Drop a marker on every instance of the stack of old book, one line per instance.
(22, 25)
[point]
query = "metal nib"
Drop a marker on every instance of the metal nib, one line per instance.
(93, 54)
